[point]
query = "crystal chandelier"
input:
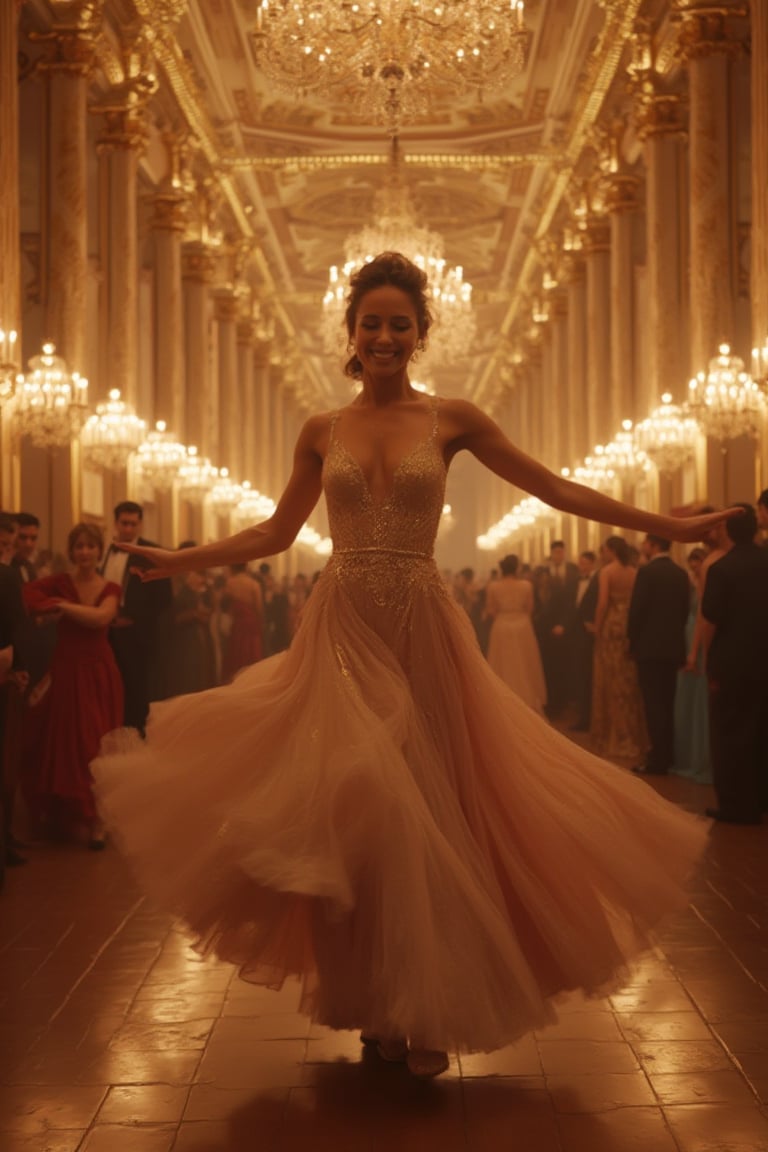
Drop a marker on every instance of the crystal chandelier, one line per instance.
(668, 436)
(396, 230)
(196, 476)
(595, 472)
(159, 458)
(387, 52)
(111, 434)
(225, 495)
(726, 401)
(9, 370)
(624, 457)
(51, 403)
(521, 520)
(253, 507)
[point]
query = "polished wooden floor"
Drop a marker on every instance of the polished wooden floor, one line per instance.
(116, 1037)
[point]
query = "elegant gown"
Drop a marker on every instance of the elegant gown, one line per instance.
(513, 651)
(618, 721)
(83, 703)
(692, 756)
(375, 812)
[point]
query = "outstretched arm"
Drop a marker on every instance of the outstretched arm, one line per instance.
(469, 428)
(266, 539)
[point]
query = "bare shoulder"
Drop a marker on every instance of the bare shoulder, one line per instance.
(315, 432)
(462, 423)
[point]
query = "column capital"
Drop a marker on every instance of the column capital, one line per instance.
(226, 304)
(71, 40)
(246, 330)
(659, 114)
(198, 261)
(621, 190)
(705, 29)
(596, 235)
(169, 211)
(123, 109)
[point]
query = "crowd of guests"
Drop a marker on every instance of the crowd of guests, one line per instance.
(663, 666)
(86, 645)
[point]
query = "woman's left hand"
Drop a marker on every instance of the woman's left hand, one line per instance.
(694, 528)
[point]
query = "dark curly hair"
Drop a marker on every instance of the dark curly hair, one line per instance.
(387, 268)
(620, 549)
(508, 565)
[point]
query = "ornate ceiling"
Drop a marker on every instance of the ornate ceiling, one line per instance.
(283, 179)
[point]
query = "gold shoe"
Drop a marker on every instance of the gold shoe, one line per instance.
(424, 1063)
(393, 1050)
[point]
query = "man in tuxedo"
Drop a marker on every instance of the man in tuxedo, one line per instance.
(658, 612)
(555, 586)
(13, 682)
(735, 603)
(583, 640)
(141, 607)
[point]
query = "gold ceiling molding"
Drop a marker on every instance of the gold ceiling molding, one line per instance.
(601, 70)
(484, 162)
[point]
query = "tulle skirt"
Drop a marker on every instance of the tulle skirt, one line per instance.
(375, 812)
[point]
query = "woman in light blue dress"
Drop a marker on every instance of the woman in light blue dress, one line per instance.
(691, 707)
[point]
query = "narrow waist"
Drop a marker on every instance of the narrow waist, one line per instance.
(375, 550)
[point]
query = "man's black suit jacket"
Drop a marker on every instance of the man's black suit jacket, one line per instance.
(658, 612)
(736, 601)
(555, 600)
(143, 602)
(13, 617)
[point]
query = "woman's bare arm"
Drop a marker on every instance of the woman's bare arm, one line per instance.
(469, 428)
(90, 616)
(266, 539)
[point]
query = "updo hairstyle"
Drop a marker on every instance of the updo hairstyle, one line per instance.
(387, 268)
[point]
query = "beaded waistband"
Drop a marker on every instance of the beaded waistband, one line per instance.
(382, 551)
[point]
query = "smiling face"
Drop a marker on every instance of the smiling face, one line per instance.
(386, 331)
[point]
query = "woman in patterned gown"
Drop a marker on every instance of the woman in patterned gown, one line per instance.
(373, 810)
(618, 720)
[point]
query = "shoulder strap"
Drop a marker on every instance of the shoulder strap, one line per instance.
(435, 402)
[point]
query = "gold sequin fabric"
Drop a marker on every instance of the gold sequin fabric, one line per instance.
(383, 549)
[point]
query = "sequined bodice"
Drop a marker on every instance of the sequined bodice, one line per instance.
(385, 544)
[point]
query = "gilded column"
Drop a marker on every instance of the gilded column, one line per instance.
(577, 444)
(660, 128)
(230, 416)
(197, 275)
(71, 44)
(168, 222)
(120, 146)
(759, 238)
(264, 439)
(10, 263)
(597, 259)
(621, 204)
(560, 392)
(708, 50)
(248, 399)
(547, 417)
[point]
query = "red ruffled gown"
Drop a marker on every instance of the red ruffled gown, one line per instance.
(244, 645)
(375, 811)
(83, 703)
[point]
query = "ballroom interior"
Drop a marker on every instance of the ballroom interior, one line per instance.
(184, 187)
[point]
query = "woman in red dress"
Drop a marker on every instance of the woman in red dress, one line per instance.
(85, 697)
(244, 603)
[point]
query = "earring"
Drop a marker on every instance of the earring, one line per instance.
(350, 347)
(421, 344)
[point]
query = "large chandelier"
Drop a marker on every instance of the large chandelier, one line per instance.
(9, 369)
(196, 476)
(51, 402)
(225, 494)
(396, 230)
(521, 520)
(668, 436)
(111, 434)
(253, 507)
(159, 458)
(389, 51)
(726, 401)
(624, 457)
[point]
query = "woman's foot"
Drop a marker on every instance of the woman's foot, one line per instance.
(424, 1063)
(394, 1050)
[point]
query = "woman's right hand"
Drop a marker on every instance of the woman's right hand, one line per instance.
(164, 561)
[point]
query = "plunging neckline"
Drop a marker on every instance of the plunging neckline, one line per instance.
(379, 504)
(422, 442)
